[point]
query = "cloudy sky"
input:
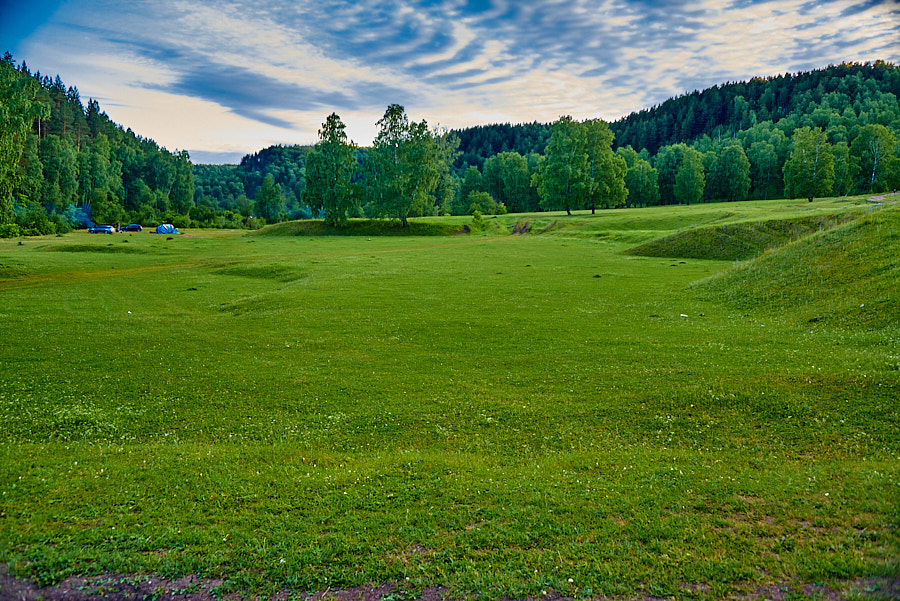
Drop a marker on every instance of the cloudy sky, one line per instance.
(222, 79)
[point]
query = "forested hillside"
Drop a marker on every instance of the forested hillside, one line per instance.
(835, 98)
(721, 111)
(225, 193)
(831, 131)
(733, 142)
(478, 143)
(64, 164)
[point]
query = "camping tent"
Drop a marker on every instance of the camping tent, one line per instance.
(166, 228)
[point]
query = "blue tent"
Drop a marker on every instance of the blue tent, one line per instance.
(166, 228)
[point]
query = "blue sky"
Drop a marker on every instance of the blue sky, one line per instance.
(221, 79)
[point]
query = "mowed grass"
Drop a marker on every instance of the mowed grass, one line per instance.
(497, 414)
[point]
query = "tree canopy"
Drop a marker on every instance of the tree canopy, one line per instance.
(580, 168)
(68, 162)
(810, 170)
(329, 171)
(405, 164)
(71, 162)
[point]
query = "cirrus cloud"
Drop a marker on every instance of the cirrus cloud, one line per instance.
(240, 76)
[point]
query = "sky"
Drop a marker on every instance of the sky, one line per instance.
(223, 79)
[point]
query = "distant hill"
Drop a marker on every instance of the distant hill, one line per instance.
(234, 187)
(719, 111)
(726, 109)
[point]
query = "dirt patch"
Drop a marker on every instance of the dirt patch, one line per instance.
(191, 588)
(880, 198)
(873, 588)
(549, 228)
(113, 588)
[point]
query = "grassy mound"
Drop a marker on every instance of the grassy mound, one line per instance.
(273, 271)
(848, 274)
(9, 271)
(360, 227)
(737, 241)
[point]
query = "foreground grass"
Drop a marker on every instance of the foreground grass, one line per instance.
(496, 414)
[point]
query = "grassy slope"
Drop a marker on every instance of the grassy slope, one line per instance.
(503, 414)
(738, 241)
(849, 274)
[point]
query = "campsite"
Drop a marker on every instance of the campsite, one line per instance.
(596, 408)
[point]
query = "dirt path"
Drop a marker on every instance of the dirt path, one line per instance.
(880, 198)
(191, 588)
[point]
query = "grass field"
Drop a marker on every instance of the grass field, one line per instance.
(497, 414)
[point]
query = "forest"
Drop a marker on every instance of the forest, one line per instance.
(832, 131)
(65, 165)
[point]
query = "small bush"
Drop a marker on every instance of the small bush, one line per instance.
(10, 230)
(255, 223)
(485, 203)
(61, 224)
(477, 223)
(36, 223)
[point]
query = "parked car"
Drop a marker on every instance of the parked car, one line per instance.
(132, 227)
(101, 229)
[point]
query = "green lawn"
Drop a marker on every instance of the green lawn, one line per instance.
(497, 414)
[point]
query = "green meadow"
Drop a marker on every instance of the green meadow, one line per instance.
(689, 402)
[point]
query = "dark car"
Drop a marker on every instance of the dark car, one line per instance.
(132, 227)
(101, 229)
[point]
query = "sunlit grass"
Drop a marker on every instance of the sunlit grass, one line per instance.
(496, 413)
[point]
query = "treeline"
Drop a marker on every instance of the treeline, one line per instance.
(727, 153)
(833, 97)
(225, 195)
(729, 142)
(832, 131)
(64, 164)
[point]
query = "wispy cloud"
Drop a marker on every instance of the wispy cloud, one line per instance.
(282, 66)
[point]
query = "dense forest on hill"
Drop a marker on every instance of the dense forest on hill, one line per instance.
(64, 164)
(231, 189)
(837, 96)
(832, 131)
(717, 112)
(479, 143)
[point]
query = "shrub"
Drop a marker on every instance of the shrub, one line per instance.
(254, 223)
(477, 223)
(482, 202)
(36, 223)
(61, 224)
(10, 230)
